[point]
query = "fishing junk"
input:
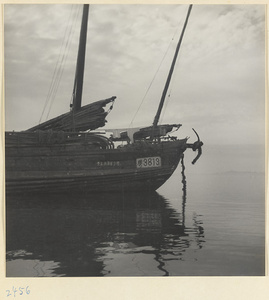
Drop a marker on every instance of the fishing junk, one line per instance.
(67, 154)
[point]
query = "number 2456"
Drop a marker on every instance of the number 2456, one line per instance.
(20, 291)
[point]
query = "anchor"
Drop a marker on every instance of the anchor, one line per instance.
(196, 146)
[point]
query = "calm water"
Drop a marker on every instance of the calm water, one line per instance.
(214, 227)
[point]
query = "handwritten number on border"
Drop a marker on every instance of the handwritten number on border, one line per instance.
(18, 292)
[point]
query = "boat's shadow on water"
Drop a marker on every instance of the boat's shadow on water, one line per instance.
(85, 234)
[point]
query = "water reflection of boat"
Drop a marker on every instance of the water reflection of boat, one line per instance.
(79, 238)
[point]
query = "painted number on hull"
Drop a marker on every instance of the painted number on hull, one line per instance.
(148, 162)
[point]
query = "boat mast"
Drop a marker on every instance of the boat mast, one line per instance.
(78, 83)
(157, 117)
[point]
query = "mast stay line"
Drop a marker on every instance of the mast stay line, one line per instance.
(157, 117)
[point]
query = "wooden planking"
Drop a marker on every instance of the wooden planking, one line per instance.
(57, 159)
(149, 179)
(76, 165)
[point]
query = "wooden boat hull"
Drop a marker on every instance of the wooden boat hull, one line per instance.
(76, 165)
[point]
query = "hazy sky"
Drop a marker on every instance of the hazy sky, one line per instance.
(217, 87)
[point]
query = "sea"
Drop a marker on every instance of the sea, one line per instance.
(208, 219)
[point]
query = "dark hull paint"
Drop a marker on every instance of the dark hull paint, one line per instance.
(79, 167)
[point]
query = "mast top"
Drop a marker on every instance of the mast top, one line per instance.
(78, 82)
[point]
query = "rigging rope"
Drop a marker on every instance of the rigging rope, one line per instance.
(143, 99)
(58, 71)
(169, 94)
(172, 80)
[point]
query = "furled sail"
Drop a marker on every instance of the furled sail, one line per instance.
(88, 117)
